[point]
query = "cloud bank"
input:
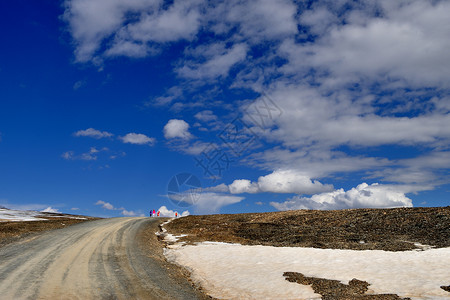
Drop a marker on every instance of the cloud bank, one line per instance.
(362, 196)
(280, 181)
(123, 211)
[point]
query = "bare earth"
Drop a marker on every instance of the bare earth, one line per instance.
(395, 229)
(117, 258)
(14, 231)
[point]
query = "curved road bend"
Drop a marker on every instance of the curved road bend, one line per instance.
(101, 259)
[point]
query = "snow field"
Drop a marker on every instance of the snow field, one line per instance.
(233, 271)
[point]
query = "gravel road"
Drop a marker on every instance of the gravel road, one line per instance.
(103, 259)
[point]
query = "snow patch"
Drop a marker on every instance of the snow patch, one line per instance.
(11, 215)
(234, 271)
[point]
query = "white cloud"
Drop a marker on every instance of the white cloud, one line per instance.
(123, 211)
(192, 148)
(179, 21)
(280, 181)
(290, 181)
(90, 155)
(137, 139)
(177, 129)
(379, 40)
(206, 201)
(94, 133)
(240, 186)
(256, 21)
(87, 156)
(132, 25)
(363, 196)
(105, 205)
(130, 49)
(172, 94)
(314, 126)
(165, 212)
(128, 213)
(50, 210)
(309, 118)
(216, 66)
(212, 202)
(68, 155)
(206, 116)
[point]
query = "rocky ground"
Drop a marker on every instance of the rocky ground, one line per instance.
(397, 229)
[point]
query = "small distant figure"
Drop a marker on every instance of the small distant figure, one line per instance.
(158, 213)
(151, 213)
(176, 215)
(154, 213)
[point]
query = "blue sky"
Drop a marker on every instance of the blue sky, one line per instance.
(271, 105)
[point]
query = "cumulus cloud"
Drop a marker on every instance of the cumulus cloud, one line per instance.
(132, 25)
(403, 44)
(209, 202)
(309, 118)
(128, 213)
(280, 181)
(362, 196)
(177, 129)
(123, 211)
(205, 201)
(240, 186)
(165, 212)
(137, 139)
(105, 205)
(217, 66)
(93, 133)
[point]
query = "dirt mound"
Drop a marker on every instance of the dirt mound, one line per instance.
(395, 229)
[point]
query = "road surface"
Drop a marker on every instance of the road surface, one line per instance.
(103, 259)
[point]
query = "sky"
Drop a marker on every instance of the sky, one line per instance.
(112, 108)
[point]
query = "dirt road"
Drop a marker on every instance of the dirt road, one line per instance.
(102, 259)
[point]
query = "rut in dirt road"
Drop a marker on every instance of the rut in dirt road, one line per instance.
(93, 260)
